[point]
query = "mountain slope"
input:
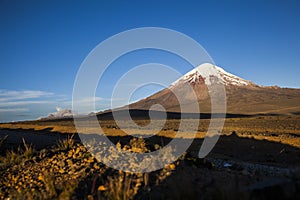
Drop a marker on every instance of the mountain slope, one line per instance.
(243, 97)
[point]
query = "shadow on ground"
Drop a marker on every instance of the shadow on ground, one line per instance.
(237, 168)
(230, 147)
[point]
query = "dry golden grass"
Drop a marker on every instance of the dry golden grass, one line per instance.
(62, 180)
(259, 127)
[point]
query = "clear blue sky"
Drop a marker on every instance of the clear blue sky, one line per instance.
(43, 43)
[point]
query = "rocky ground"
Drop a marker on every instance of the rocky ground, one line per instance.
(68, 171)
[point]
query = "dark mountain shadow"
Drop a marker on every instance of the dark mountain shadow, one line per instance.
(144, 114)
(296, 113)
(137, 114)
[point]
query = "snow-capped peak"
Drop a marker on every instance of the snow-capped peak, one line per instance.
(209, 74)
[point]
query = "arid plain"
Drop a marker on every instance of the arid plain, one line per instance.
(257, 156)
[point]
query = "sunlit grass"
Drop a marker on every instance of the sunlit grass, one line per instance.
(67, 143)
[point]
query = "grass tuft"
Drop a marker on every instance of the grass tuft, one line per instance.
(66, 144)
(15, 157)
(2, 140)
(122, 186)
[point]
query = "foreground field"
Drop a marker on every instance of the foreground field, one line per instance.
(255, 158)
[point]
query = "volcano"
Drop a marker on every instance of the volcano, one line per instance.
(242, 96)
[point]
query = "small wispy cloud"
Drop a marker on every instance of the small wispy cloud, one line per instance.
(93, 104)
(14, 109)
(10, 95)
(35, 103)
(89, 100)
(14, 101)
(23, 103)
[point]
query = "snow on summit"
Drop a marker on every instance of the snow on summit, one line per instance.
(212, 74)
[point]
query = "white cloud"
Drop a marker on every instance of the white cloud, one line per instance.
(89, 100)
(94, 104)
(60, 113)
(13, 98)
(10, 95)
(13, 109)
(23, 103)
(14, 103)
(36, 103)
